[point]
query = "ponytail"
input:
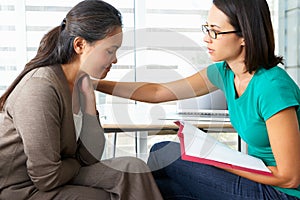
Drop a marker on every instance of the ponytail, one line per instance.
(43, 57)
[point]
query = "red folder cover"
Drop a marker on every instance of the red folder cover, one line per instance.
(228, 160)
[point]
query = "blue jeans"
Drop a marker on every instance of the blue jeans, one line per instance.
(183, 180)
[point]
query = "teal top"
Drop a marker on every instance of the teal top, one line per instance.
(268, 92)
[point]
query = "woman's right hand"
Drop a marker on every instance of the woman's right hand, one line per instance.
(87, 94)
(83, 95)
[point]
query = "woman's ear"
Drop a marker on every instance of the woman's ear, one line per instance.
(79, 44)
(243, 42)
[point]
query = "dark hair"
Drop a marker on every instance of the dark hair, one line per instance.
(252, 19)
(90, 19)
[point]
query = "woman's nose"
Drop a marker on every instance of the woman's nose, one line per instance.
(115, 60)
(206, 38)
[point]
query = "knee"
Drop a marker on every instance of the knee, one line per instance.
(159, 145)
(163, 154)
(166, 148)
(134, 165)
(136, 162)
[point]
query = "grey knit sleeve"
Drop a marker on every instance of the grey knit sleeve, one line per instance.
(91, 141)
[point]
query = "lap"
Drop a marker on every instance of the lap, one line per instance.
(113, 175)
(201, 181)
(117, 178)
(107, 173)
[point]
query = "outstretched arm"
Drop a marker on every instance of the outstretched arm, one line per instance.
(192, 86)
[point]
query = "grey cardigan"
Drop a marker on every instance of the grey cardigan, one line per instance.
(38, 147)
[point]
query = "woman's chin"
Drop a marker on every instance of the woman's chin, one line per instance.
(214, 59)
(95, 78)
(98, 76)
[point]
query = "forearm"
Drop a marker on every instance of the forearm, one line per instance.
(139, 91)
(152, 92)
(192, 86)
(276, 179)
(92, 140)
(89, 104)
(57, 176)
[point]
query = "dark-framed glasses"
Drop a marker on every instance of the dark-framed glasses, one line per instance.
(214, 34)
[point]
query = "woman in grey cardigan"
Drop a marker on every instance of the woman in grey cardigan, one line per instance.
(41, 156)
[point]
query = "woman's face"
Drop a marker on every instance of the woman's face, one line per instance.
(226, 47)
(99, 56)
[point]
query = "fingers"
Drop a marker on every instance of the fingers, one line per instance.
(88, 99)
(86, 86)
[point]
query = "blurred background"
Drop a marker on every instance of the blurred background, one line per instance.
(162, 41)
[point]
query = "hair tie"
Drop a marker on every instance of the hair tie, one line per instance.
(63, 24)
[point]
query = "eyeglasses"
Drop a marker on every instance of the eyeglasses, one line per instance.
(213, 34)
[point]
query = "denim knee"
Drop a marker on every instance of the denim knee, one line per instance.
(159, 145)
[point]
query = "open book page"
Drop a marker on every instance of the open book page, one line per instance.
(198, 146)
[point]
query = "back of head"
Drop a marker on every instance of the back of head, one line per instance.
(90, 19)
(252, 18)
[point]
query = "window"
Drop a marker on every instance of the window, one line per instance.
(162, 40)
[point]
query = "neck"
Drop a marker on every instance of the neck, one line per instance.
(71, 72)
(241, 77)
(240, 71)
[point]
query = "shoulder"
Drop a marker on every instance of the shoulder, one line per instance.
(275, 78)
(219, 74)
(218, 69)
(273, 74)
(275, 90)
(42, 81)
(41, 84)
(48, 73)
(220, 66)
(51, 76)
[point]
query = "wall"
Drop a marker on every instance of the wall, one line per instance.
(289, 36)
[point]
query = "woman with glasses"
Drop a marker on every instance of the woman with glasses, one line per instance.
(263, 103)
(51, 139)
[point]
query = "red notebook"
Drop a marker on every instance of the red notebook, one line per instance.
(198, 146)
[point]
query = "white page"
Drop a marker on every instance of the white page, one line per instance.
(200, 144)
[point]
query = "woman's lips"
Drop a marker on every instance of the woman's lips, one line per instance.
(210, 51)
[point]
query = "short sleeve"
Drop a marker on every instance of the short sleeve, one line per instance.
(278, 95)
(216, 74)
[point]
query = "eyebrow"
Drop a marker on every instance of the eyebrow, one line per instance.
(213, 25)
(115, 46)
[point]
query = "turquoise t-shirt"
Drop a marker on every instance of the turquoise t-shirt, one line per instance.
(268, 92)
